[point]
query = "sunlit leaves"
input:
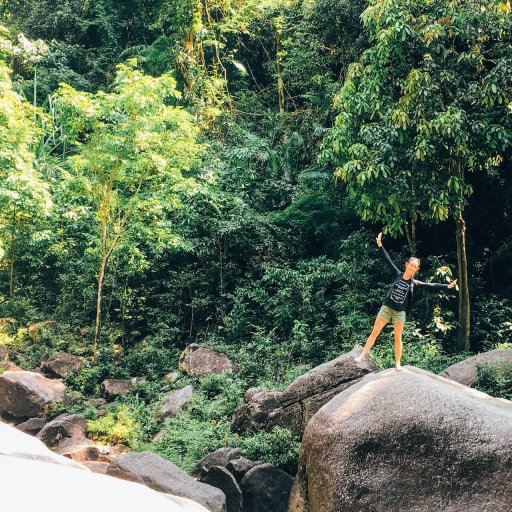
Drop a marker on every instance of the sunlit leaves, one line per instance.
(427, 102)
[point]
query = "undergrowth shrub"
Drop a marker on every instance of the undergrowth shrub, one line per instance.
(495, 380)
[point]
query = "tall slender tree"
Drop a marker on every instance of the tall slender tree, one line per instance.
(133, 149)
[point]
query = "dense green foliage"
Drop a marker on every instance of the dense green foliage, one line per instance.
(216, 172)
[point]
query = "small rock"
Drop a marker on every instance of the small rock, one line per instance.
(239, 467)
(219, 457)
(59, 365)
(79, 449)
(114, 388)
(64, 425)
(32, 426)
(28, 394)
(266, 487)
(464, 372)
(174, 401)
(159, 436)
(96, 467)
(222, 479)
(197, 361)
(155, 472)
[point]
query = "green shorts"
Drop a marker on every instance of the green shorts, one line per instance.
(391, 315)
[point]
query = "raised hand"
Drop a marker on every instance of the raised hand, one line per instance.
(453, 283)
(379, 239)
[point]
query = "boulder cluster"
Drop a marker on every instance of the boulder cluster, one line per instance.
(407, 441)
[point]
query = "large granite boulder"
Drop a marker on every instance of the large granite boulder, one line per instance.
(173, 401)
(59, 365)
(197, 361)
(293, 407)
(32, 474)
(164, 476)
(465, 371)
(410, 441)
(28, 394)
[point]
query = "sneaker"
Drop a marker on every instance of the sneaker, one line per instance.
(398, 367)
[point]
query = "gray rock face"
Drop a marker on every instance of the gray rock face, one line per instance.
(25, 459)
(239, 467)
(465, 371)
(266, 488)
(161, 475)
(222, 479)
(26, 394)
(410, 441)
(32, 426)
(59, 365)
(79, 449)
(174, 401)
(293, 407)
(64, 425)
(197, 361)
(219, 457)
(113, 388)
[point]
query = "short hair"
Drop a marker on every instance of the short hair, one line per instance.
(413, 258)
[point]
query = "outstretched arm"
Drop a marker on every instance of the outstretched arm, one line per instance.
(435, 285)
(386, 255)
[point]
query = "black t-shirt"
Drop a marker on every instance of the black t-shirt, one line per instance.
(398, 295)
(401, 291)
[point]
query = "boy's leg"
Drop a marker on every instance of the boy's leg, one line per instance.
(377, 328)
(398, 328)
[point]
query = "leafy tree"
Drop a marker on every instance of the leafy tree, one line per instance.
(132, 149)
(425, 106)
(24, 196)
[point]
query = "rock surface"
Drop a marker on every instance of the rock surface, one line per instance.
(113, 388)
(59, 365)
(151, 470)
(266, 487)
(293, 407)
(406, 440)
(465, 371)
(32, 426)
(64, 425)
(174, 401)
(80, 449)
(32, 475)
(239, 467)
(27, 394)
(222, 479)
(219, 457)
(198, 361)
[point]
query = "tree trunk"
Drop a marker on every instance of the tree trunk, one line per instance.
(101, 277)
(464, 332)
(280, 83)
(411, 236)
